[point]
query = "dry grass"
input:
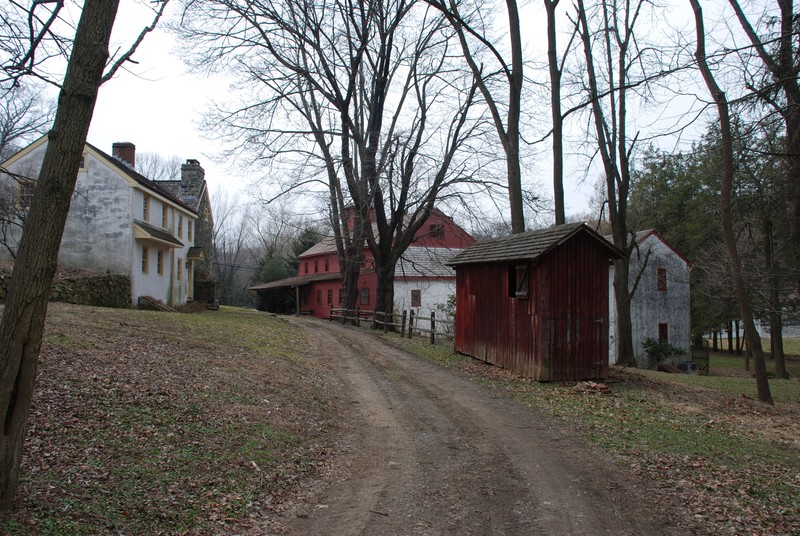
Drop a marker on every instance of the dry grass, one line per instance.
(149, 423)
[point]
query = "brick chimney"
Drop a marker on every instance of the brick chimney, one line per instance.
(125, 151)
(193, 176)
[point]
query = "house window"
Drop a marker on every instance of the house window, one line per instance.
(145, 259)
(164, 215)
(330, 296)
(663, 332)
(180, 226)
(327, 264)
(316, 266)
(436, 230)
(146, 208)
(365, 296)
(416, 298)
(306, 267)
(662, 279)
(189, 225)
(319, 297)
(179, 271)
(160, 262)
(82, 166)
(518, 281)
(25, 194)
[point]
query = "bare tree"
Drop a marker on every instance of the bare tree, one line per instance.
(158, 167)
(24, 115)
(26, 303)
(779, 53)
(365, 99)
(467, 19)
(721, 101)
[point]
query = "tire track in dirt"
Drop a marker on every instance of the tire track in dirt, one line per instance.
(435, 453)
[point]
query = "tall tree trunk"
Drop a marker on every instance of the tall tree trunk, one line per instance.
(384, 300)
(555, 111)
(775, 306)
(26, 303)
(514, 109)
(726, 208)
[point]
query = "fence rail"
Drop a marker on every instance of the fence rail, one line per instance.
(408, 323)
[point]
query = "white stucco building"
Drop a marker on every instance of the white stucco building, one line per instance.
(119, 222)
(660, 305)
(422, 282)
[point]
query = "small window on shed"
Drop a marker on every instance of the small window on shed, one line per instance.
(316, 266)
(518, 281)
(662, 279)
(416, 298)
(330, 296)
(327, 264)
(436, 230)
(319, 297)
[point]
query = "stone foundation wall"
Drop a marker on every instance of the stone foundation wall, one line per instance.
(101, 290)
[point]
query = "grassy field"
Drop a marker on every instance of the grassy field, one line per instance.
(733, 461)
(149, 423)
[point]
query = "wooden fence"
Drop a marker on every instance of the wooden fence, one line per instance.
(408, 324)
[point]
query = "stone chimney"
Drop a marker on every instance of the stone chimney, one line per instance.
(125, 151)
(193, 176)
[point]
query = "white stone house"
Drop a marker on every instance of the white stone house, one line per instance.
(422, 283)
(660, 305)
(119, 222)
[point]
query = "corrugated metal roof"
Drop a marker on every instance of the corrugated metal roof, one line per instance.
(296, 281)
(526, 246)
(426, 262)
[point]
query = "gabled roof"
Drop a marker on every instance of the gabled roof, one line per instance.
(641, 236)
(528, 246)
(140, 179)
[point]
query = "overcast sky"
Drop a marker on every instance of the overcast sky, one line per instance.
(157, 105)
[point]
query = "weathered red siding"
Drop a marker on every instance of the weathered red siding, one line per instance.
(559, 332)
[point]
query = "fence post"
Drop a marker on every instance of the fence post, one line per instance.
(330, 316)
(433, 327)
(411, 324)
(403, 325)
(358, 316)
(385, 323)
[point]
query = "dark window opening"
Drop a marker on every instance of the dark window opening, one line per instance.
(663, 332)
(662, 279)
(518, 281)
(306, 267)
(319, 297)
(327, 264)
(436, 230)
(416, 298)
(330, 296)
(316, 267)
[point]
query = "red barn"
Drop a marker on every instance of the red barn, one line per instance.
(537, 302)
(318, 285)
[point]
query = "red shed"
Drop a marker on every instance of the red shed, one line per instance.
(537, 302)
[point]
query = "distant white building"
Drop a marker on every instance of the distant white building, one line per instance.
(119, 222)
(660, 306)
(422, 283)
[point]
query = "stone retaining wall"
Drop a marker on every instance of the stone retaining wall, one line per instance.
(102, 290)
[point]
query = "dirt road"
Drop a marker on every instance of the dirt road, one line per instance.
(432, 452)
